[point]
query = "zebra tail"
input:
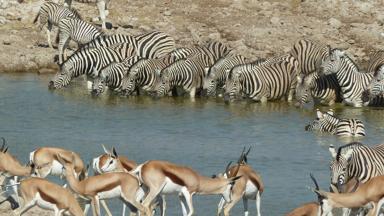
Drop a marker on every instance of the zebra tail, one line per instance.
(37, 17)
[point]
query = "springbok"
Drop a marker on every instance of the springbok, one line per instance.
(110, 161)
(44, 162)
(47, 195)
(307, 209)
(250, 186)
(162, 177)
(368, 193)
(105, 186)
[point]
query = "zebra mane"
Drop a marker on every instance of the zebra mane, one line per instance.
(346, 147)
(77, 14)
(348, 58)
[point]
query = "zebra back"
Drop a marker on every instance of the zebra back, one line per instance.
(78, 30)
(154, 44)
(125, 50)
(109, 40)
(309, 55)
(53, 13)
(217, 49)
(375, 62)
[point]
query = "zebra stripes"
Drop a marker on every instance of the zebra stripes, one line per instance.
(324, 89)
(327, 122)
(144, 75)
(109, 40)
(84, 61)
(375, 62)
(261, 83)
(112, 75)
(154, 44)
(309, 55)
(356, 161)
(77, 30)
(51, 14)
(352, 82)
(186, 73)
(217, 74)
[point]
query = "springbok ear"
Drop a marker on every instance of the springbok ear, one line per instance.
(334, 189)
(319, 114)
(60, 159)
(114, 152)
(233, 180)
(73, 158)
(348, 154)
(332, 151)
(105, 150)
(43, 165)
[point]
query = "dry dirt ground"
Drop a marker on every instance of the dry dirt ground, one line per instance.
(253, 28)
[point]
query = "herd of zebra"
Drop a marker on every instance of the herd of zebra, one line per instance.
(150, 62)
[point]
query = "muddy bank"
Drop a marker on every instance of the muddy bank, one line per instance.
(253, 28)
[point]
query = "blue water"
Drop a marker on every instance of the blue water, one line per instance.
(205, 135)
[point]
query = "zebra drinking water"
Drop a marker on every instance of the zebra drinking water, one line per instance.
(261, 82)
(217, 74)
(324, 89)
(112, 75)
(83, 62)
(77, 30)
(51, 14)
(327, 122)
(352, 82)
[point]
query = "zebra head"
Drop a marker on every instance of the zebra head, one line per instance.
(164, 85)
(334, 62)
(339, 166)
(232, 86)
(210, 82)
(128, 84)
(100, 82)
(63, 77)
(321, 123)
(376, 87)
(303, 88)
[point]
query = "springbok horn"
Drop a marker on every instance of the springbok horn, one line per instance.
(2, 147)
(227, 169)
(237, 170)
(314, 181)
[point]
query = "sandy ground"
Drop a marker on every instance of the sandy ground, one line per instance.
(253, 28)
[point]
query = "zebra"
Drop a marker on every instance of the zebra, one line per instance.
(77, 30)
(309, 55)
(102, 6)
(324, 89)
(51, 13)
(217, 74)
(112, 75)
(376, 61)
(356, 161)
(352, 82)
(144, 74)
(109, 40)
(83, 62)
(261, 82)
(327, 122)
(187, 73)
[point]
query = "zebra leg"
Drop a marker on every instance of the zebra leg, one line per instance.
(64, 39)
(346, 211)
(192, 92)
(67, 3)
(101, 7)
(49, 29)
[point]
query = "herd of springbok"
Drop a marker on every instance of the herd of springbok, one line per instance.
(141, 188)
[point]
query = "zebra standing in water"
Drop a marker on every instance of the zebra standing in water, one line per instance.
(352, 82)
(324, 89)
(327, 122)
(102, 5)
(217, 74)
(374, 94)
(261, 83)
(112, 75)
(186, 73)
(50, 14)
(83, 62)
(144, 74)
(309, 55)
(77, 30)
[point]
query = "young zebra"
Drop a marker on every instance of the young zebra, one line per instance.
(84, 61)
(102, 6)
(50, 14)
(309, 55)
(327, 122)
(186, 73)
(112, 76)
(144, 75)
(217, 74)
(352, 82)
(324, 89)
(77, 30)
(261, 82)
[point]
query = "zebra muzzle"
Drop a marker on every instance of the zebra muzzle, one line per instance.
(51, 85)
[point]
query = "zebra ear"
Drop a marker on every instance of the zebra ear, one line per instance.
(332, 151)
(206, 71)
(319, 114)
(330, 112)
(95, 71)
(158, 72)
(299, 79)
